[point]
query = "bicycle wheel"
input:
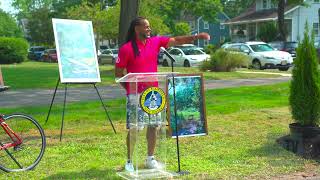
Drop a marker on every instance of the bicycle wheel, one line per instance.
(29, 153)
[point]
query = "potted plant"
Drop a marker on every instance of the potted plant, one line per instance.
(304, 96)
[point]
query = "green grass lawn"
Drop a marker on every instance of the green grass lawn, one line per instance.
(45, 75)
(243, 124)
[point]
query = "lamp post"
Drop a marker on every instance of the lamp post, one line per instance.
(198, 22)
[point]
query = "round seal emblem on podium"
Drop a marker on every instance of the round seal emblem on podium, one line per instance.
(153, 100)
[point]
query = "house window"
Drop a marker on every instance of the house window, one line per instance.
(264, 4)
(222, 26)
(316, 28)
(205, 25)
(206, 42)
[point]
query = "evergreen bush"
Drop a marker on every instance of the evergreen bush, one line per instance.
(13, 50)
(225, 61)
(209, 49)
(267, 32)
(305, 90)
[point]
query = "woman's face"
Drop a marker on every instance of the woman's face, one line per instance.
(143, 30)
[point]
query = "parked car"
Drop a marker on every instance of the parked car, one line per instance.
(49, 55)
(35, 52)
(183, 46)
(187, 57)
(102, 48)
(226, 45)
(263, 56)
(108, 56)
(160, 56)
(288, 46)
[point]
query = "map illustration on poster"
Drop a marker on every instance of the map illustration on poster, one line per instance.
(76, 51)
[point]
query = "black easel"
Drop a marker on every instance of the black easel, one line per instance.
(175, 114)
(64, 105)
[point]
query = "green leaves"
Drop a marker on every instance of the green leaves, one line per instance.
(8, 26)
(305, 89)
(175, 11)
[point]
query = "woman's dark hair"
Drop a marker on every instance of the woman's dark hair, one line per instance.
(131, 35)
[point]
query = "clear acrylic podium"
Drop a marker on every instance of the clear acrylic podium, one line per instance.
(149, 90)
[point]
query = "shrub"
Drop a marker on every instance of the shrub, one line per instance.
(225, 61)
(305, 90)
(13, 50)
(209, 49)
(267, 32)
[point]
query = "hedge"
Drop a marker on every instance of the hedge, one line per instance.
(13, 50)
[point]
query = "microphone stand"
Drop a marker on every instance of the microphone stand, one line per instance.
(175, 112)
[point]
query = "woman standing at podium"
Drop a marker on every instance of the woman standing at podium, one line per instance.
(140, 55)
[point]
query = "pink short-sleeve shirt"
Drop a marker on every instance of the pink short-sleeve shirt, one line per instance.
(146, 62)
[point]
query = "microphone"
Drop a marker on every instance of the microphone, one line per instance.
(166, 52)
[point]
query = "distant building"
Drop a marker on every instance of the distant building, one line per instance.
(246, 26)
(218, 31)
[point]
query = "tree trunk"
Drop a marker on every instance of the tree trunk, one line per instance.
(129, 11)
(281, 26)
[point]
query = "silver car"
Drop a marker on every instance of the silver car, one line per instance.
(263, 56)
(108, 56)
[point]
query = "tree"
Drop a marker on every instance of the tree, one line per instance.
(235, 7)
(268, 31)
(8, 26)
(177, 10)
(150, 9)
(38, 14)
(40, 27)
(305, 88)
(105, 22)
(281, 8)
(129, 11)
(182, 28)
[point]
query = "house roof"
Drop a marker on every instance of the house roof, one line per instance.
(251, 15)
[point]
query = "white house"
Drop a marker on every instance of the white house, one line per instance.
(246, 26)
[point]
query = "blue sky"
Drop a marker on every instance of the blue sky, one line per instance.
(6, 6)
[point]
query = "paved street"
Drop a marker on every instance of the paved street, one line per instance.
(36, 97)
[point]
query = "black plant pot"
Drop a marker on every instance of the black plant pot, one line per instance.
(298, 131)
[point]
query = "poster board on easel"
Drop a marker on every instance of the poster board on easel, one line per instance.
(77, 58)
(76, 51)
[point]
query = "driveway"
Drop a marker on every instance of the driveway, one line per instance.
(37, 97)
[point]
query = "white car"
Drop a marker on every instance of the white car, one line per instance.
(263, 56)
(108, 56)
(187, 57)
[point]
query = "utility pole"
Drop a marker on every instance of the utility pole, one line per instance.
(198, 22)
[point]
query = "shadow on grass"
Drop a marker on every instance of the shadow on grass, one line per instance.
(89, 174)
(276, 154)
(271, 148)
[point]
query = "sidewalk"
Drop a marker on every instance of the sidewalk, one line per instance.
(37, 97)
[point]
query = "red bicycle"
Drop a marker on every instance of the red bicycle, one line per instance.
(22, 142)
